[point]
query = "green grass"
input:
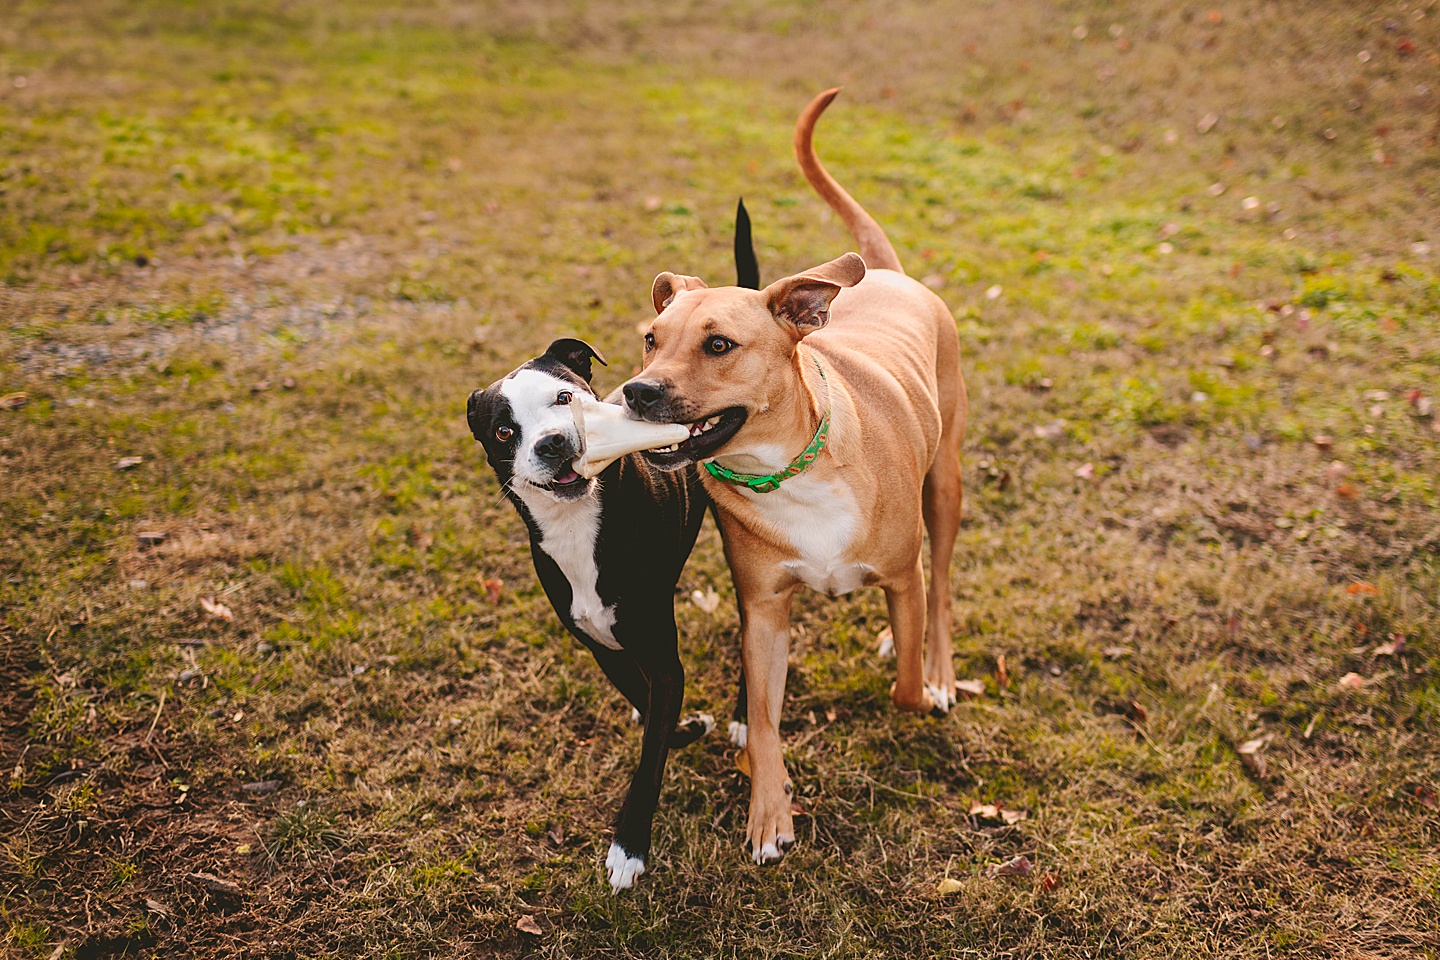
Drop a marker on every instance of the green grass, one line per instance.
(270, 249)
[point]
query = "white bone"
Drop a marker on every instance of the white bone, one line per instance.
(607, 434)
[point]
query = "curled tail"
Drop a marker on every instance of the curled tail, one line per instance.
(874, 245)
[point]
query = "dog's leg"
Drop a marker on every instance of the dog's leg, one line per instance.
(765, 648)
(906, 600)
(626, 860)
(739, 728)
(942, 520)
(625, 674)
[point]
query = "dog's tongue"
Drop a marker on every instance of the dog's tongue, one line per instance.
(569, 476)
(608, 434)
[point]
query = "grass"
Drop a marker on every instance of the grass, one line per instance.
(269, 249)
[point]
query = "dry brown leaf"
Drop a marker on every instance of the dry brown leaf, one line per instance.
(1049, 881)
(493, 586)
(1427, 798)
(527, 924)
(128, 463)
(1012, 817)
(971, 688)
(216, 609)
(830, 714)
(742, 762)
(948, 886)
(1323, 442)
(985, 811)
(1138, 713)
(1017, 867)
(214, 884)
(1352, 681)
(1086, 471)
(13, 401)
(1002, 675)
(1358, 589)
(1347, 491)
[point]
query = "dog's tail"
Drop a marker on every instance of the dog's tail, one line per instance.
(874, 245)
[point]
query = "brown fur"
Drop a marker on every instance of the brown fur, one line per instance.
(891, 470)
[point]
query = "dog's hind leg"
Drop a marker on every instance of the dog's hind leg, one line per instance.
(623, 671)
(739, 728)
(942, 500)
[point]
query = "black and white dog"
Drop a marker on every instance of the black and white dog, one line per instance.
(608, 552)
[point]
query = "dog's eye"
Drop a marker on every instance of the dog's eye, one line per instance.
(649, 342)
(564, 397)
(718, 345)
(503, 434)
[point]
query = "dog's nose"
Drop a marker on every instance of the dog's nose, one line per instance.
(554, 447)
(641, 395)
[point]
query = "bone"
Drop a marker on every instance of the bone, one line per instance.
(607, 434)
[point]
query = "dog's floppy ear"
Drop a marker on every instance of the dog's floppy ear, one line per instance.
(575, 355)
(668, 284)
(803, 301)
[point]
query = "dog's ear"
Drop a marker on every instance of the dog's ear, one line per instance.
(574, 355)
(663, 291)
(803, 301)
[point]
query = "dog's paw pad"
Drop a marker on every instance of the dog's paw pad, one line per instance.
(739, 733)
(885, 644)
(622, 868)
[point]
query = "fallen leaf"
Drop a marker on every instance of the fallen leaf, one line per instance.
(1086, 471)
(1358, 587)
(243, 849)
(1207, 123)
(1396, 644)
(1012, 817)
(150, 539)
(556, 833)
(949, 886)
(528, 925)
(1017, 867)
(985, 811)
(971, 688)
(1323, 442)
(216, 609)
(215, 885)
(1138, 713)
(707, 599)
(830, 714)
(493, 586)
(128, 463)
(742, 762)
(1002, 675)
(1427, 798)
(1352, 681)
(1049, 881)
(14, 401)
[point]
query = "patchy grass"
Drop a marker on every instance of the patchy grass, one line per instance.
(268, 250)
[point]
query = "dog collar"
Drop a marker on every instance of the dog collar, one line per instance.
(797, 466)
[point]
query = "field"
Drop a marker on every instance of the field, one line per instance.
(277, 678)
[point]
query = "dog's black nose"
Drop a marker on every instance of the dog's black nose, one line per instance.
(554, 447)
(641, 395)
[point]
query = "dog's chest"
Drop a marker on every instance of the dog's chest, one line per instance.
(568, 532)
(821, 520)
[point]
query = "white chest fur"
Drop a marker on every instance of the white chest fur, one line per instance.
(567, 535)
(820, 518)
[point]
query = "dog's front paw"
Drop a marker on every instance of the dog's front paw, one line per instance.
(622, 868)
(739, 733)
(771, 829)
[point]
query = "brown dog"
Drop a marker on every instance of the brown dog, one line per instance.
(827, 412)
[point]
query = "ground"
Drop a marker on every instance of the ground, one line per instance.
(279, 680)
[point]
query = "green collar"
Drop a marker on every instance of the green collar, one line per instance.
(797, 466)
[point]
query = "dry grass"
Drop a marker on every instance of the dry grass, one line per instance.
(269, 250)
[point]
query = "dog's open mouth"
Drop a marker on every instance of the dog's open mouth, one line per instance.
(567, 484)
(707, 435)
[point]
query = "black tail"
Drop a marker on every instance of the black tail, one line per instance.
(747, 267)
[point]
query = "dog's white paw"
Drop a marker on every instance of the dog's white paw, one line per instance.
(769, 853)
(739, 733)
(634, 716)
(886, 644)
(622, 868)
(944, 699)
(706, 719)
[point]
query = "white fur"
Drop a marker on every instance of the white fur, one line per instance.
(705, 719)
(739, 733)
(568, 528)
(622, 868)
(944, 699)
(769, 853)
(820, 518)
